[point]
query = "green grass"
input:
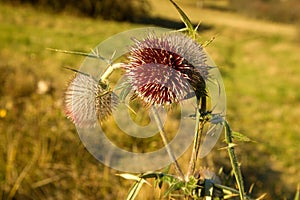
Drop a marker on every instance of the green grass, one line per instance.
(41, 154)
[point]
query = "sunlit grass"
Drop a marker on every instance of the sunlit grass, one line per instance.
(41, 154)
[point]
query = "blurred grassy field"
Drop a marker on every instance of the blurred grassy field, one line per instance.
(41, 154)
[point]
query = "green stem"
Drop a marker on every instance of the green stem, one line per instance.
(234, 161)
(196, 146)
(166, 143)
(197, 137)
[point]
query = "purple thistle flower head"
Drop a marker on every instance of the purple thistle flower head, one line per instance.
(164, 69)
(86, 101)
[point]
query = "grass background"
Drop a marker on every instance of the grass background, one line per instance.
(41, 154)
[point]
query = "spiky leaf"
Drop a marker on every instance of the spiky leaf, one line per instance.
(135, 189)
(184, 17)
(240, 137)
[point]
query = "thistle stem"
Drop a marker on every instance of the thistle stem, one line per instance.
(110, 70)
(165, 142)
(234, 161)
(197, 138)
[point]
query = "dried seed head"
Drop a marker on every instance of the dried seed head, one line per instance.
(207, 173)
(86, 101)
(163, 69)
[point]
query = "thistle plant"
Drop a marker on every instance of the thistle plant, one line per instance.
(161, 70)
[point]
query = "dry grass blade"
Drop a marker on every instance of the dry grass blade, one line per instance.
(45, 181)
(23, 174)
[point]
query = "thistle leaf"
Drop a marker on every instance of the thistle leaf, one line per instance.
(151, 175)
(129, 176)
(136, 187)
(91, 55)
(134, 190)
(184, 18)
(240, 137)
(133, 177)
(173, 187)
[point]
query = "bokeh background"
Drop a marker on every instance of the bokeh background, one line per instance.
(256, 48)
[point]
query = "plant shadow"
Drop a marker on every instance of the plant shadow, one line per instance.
(169, 23)
(263, 175)
(260, 174)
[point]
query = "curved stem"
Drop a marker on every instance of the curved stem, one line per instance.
(166, 143)
(110, 70)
